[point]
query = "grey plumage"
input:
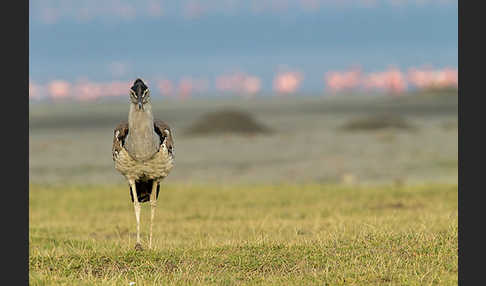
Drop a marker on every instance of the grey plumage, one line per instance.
(157, 167)
(142, 142)
(143, 151)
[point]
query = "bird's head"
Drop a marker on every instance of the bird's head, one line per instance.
(139, 93)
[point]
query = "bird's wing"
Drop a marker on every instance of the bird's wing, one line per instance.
(164, 132)
(119, 135)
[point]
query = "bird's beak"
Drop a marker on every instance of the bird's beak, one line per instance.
(140, 103)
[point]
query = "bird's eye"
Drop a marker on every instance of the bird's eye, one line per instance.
(146, 92)
(133, 96)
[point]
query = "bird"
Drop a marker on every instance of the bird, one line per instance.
(143, 152)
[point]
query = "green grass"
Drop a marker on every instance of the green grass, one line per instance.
(306, 145)
(246, 235)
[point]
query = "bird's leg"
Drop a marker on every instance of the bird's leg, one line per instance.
(136, 205)
(153, 204)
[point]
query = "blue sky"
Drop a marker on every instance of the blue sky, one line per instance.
(117, 40)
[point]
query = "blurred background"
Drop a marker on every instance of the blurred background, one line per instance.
(268, 91)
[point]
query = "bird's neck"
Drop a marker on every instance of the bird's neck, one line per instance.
(140, 121)
(142, 141)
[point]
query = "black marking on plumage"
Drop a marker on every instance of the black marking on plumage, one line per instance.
(139, 87)
(144, 190)
(161, 128)
(143, 185)
(120, 134)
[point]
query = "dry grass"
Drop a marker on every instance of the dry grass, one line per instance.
(390, 224)
(306, 143)
(246, 235)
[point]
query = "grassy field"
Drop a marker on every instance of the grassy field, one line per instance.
(247, 235)
(327, 198)
(71, 142)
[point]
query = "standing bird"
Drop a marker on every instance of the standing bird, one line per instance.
(143, 152)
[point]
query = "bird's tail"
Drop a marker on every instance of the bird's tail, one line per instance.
(144, 189)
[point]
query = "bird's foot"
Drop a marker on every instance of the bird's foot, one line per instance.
(138, 247)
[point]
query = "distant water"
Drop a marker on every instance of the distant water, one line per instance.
(373, 39)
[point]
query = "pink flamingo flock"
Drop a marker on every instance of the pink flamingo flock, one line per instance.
(391, 81)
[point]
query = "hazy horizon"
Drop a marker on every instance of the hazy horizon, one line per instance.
(173, 45)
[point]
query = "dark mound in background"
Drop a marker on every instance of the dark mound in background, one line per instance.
(227, 121)
(376, 122)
